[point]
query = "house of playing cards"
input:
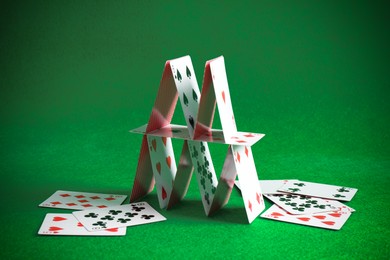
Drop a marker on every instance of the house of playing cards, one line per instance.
(157, 165)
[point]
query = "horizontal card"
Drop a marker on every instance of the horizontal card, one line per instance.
(82, 200)
(68, 225)
(319, 190)
(329, 220)
(300, 204)
(118, 216)
(270, 186)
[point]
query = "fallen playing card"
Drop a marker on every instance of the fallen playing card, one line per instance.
(269, 186)
(81, 200)
(319, 190)
(118, 216)
(68, 225)
(329, 220)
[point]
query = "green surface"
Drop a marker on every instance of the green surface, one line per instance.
(312, 75)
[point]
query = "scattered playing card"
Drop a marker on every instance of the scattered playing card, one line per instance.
(118, 216)
(319, 190)
(269, 186)
(67, 224)
(300, 204)
(81, 200)
(329, 220)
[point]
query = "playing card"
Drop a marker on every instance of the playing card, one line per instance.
(68, 225)
(329, 220)
(81, 200)
(187, 88)
(204, 171)
(269, 186)
(247, 176)
(319, 190)
(118, 216)
(163, 165)
(300, 204)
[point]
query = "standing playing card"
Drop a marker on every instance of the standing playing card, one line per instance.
(68, 225)
(118, 216)
(319, 190)
(300, 204)
(329, 220)
(81, 200)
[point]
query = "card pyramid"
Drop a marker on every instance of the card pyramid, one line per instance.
(157, 165)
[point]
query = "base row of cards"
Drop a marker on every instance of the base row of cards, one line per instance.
(103, 215)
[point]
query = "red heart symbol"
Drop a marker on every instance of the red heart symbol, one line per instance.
(258, 198)
(112, 229)
(79, 224)
(164, 139)
(223, 97)
(58, 219)
(158, 167)
(304, 219)
(276, 214)
(320, 217)
(55, 228)
(154, 144)
(169, 161)
(249, 205)
(163, 193)
(330, 223)
(336, 215)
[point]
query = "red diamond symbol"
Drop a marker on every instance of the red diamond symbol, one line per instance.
(71, 204)
(249, 135)
(241, 141)
(65, 195)
(95, 197)
(249, 205)
(82, 201)
(111, 198)
(246, 151)
(238, 157)
(86, 205)
(258, 197)
(102, 206)
(80, 196)
(56, 203)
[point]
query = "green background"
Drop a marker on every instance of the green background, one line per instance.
(313, 76)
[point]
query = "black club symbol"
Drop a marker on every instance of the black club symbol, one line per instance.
(114, 212)
(91, 215)
(138, 209)
(123, 220)
(147, 216)
(129, 214)
(100, 223)
(107, 217)
(299, 184)
(343, 189)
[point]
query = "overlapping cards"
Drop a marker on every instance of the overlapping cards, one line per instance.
(103, 214)
(307, 203)
(157, 165)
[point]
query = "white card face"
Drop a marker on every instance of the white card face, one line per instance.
(247, 176)
(81, 200)
(329, 220)
(188, 89)
(118, 216)
(68, 225)
(270, 186)
(204, 171)
(319, 190)
(222, 96)
(300, 204)
(163, 165)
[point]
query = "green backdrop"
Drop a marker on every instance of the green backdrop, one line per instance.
(313, 76)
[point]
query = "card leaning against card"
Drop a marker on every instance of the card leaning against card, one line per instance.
(118, 216)
(81, 200)
(68, 225)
